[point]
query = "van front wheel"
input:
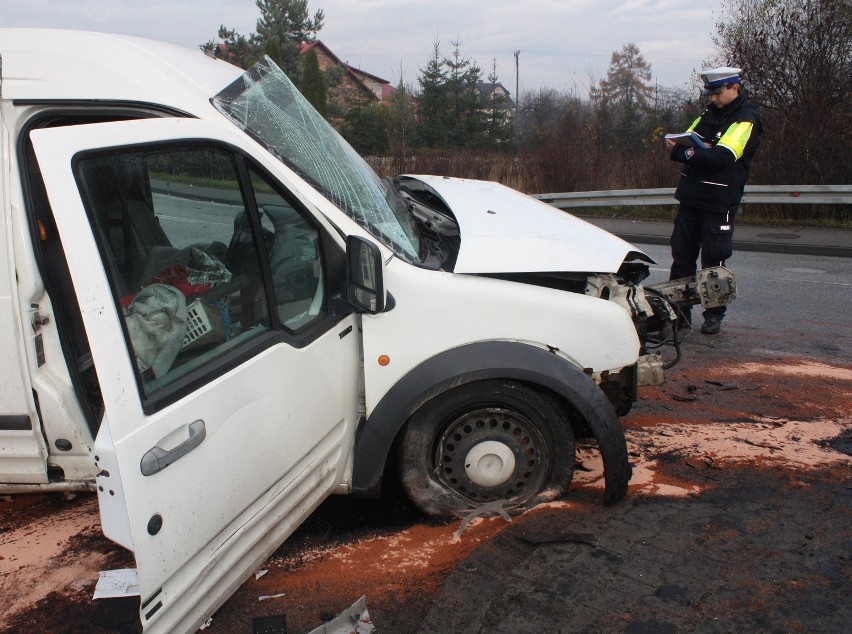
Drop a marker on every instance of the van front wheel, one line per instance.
(484, 442)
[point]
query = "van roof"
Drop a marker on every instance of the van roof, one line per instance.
(57, 64)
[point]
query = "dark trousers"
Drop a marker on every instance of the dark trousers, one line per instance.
(708, 232)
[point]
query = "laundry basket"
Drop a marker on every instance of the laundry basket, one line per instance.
(204, 325)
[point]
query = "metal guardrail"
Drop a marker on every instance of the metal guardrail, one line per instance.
(768, 194)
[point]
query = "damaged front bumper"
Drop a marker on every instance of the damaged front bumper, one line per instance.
(656, 310)
(711, 287)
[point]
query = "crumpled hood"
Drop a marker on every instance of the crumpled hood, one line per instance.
(505, 231)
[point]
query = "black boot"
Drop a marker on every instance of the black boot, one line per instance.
(712, 324)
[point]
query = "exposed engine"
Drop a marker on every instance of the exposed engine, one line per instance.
(658, 309)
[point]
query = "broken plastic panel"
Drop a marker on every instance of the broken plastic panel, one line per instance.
(355, 620)
(123, 582)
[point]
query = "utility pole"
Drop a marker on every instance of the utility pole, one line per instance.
(517, 83)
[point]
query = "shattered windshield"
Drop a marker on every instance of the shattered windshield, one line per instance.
(266, 104)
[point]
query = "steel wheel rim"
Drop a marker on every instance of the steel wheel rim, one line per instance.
(472, 435)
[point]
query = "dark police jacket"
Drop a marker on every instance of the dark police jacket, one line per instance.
(714, 178)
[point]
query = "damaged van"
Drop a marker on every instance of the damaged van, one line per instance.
(215, 314)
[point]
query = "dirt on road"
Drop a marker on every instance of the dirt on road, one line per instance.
(739, 518)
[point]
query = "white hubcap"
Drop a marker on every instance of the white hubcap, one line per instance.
(489, 463)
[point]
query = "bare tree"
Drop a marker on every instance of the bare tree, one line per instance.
(794, 51)
(797, 60)
(542, 113)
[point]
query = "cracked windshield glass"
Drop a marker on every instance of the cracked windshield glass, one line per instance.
(266, 104)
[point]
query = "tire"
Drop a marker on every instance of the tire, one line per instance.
(486, 441)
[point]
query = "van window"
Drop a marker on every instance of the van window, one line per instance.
(194, 262)
(294, 256)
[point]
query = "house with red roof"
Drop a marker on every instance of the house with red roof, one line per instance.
(355, 85)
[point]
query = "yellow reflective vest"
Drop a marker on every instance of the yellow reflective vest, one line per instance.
(713, 178)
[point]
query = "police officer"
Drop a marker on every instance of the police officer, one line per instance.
(712, 180)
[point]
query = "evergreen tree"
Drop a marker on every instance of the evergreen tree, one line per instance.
(235, 48)
(498, 118)
(333, 76)
(313, 83)
(466, 125)
(287, 22)
(366, 126)
(432, 102)
(273, 49)
(281, 29)
(401, 120)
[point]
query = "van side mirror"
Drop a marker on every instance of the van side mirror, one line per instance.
(365, 279)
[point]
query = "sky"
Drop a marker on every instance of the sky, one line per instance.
(564, 44)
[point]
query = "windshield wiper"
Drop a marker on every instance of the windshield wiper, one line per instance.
(429, 236)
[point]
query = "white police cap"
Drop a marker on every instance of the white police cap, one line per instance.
(715, 78)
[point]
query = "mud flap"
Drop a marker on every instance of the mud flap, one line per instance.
(588, 399)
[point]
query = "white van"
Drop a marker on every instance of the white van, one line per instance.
(216, 314)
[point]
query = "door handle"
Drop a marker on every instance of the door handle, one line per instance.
(157, 459)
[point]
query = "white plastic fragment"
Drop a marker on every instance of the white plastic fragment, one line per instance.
(355, 620)
(264, 597)
(497, 506)
(123, 582)
(260, 573)
(207, 624)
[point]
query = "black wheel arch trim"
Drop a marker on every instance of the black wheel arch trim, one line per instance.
(489, 360)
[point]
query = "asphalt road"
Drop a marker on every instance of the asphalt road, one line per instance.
(810, 296)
